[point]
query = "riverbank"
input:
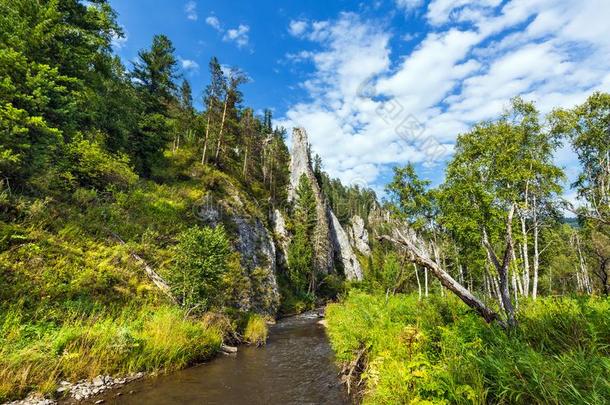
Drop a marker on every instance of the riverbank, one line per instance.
(85, 355)
(399, 349)
(296, 366)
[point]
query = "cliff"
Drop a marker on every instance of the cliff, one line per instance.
(300, 164)
(331, 241)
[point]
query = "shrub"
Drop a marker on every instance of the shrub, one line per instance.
(201, 261)
(95, 167)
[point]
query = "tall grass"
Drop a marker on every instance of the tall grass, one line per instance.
(37, 356)
(256, 330)
(438, 350)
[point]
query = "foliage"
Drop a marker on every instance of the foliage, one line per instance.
(302, 272)
(437, 350)
(200, 264)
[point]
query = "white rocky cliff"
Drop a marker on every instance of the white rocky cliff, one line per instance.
(359, 236)
(300, 164)
(343, 250)
(331, 241)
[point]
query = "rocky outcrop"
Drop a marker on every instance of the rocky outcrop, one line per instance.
(300, 164)
(258, 289)
(359, 236)
(258, 257)
(281, 236)
(331, 242)
(343, 250)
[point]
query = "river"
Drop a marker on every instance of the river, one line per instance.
(295, 367)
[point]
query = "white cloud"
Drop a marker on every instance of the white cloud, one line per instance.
(300, 56)
(118, 42)
(238, 35)
(408, 5)
(213, 22)
(190, 8)
(297, 27)
(476, 56)
(188, 64)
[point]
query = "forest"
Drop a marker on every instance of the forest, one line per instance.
(140, 234)
(499, 235)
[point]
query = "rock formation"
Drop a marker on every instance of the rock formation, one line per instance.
(256, 247)
(359, 236)
(255, 244)
(343, 250)
(300, 163)
(330, 239)
(281, 235)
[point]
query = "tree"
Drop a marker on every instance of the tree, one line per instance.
(302, 270)
(154, 74)
(233, 96)
(200, 263)
(410, 199)
(214, 92)
(185, 115)
(588, 128)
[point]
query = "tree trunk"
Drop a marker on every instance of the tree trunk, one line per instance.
(205, 141)
(420, 256)
(502, 267)
(222, 125)
(426, 281)
(418, 282)
(150, 272)
(536, 250)
(586, 280)
(525, 255)
(245, 163)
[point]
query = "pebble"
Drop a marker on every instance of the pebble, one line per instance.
(81, 390)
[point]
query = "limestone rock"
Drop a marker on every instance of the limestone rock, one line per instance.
(300, 164)
(359, 236)
(281, 235)
(258, 257)
(343, 250)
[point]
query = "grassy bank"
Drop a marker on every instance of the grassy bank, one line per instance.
(75, 304)
(36, 355)
(438, 350)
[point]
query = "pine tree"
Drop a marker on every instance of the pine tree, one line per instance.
(302, 272)
(155, 75)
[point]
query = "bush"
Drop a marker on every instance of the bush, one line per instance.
(95, 167)
(201, 261)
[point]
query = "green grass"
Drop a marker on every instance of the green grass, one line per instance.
(36, 356)
(438, 350)
(74, 303)
(256, 330)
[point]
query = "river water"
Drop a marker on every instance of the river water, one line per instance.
(295, 367)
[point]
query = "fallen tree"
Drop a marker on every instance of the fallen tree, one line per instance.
(419, 252)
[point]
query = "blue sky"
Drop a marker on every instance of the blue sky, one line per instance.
(380, 83)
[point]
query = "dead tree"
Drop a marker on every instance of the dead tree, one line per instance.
(502, 267)
(419, 253)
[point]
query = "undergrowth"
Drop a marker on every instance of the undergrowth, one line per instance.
(438, 350)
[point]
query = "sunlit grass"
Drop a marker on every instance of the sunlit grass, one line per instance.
(438, 350)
